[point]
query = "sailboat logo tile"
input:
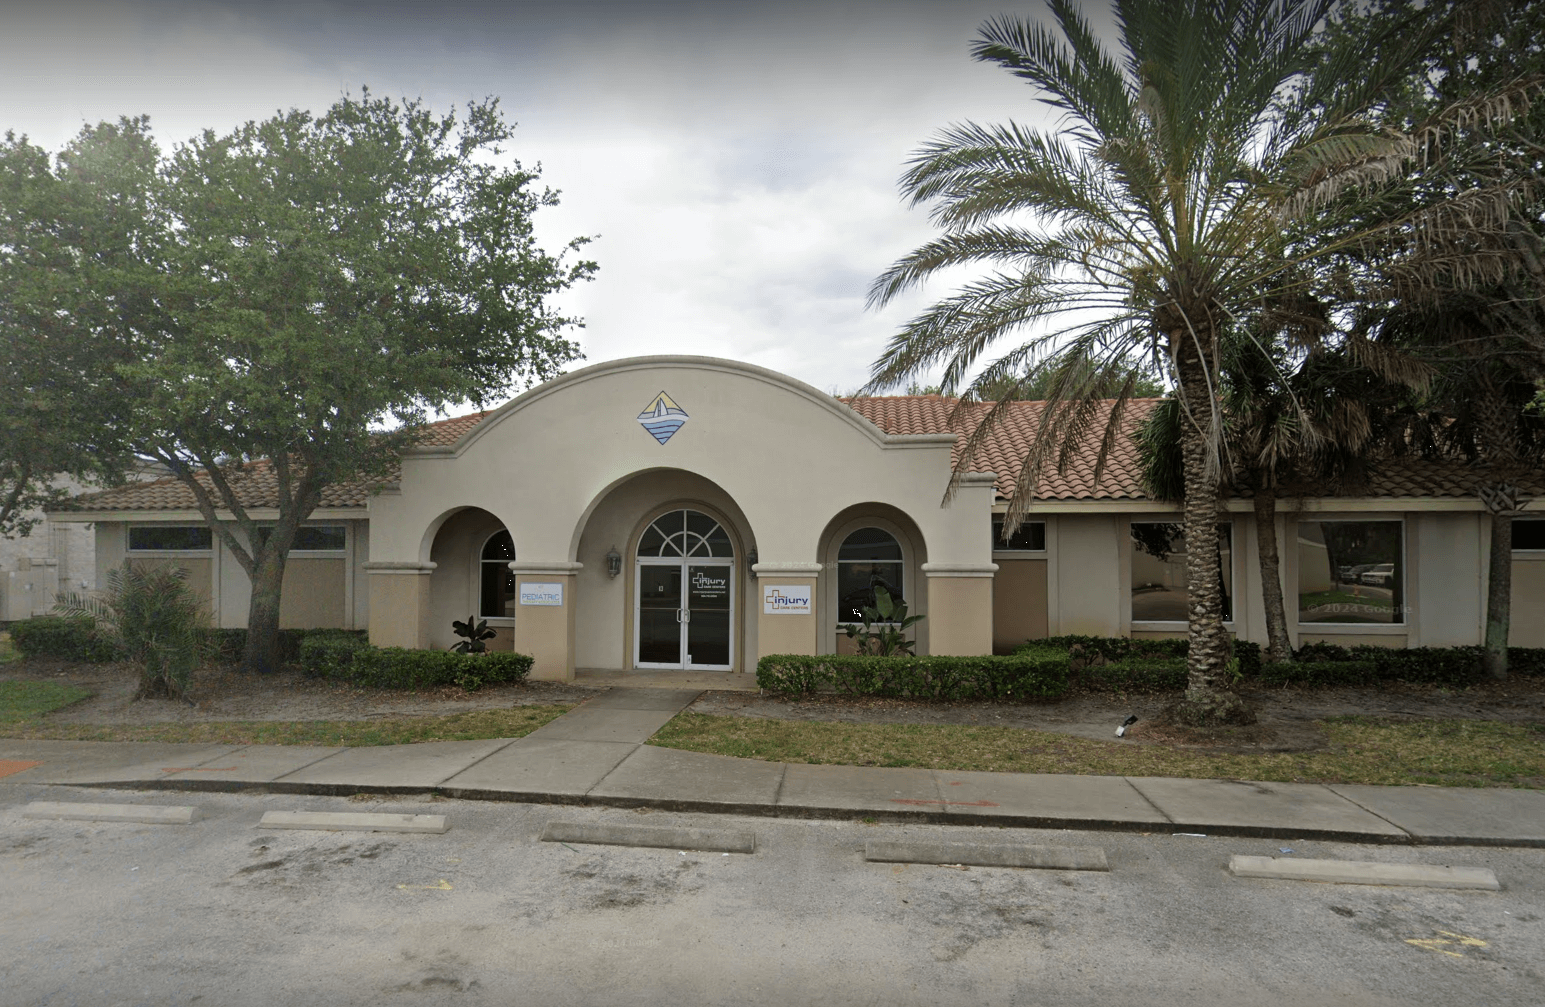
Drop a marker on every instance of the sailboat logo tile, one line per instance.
(662, 418)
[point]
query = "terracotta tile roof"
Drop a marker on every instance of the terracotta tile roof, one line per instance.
(901, 414)
(257, 486)
(1427, 477)
(1005, 450)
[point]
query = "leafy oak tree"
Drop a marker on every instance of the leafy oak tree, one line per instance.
(301, 294)
(52, 233)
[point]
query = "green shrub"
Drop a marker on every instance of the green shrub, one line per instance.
(68, 638)
(1134, 674)
(1320, 673)
(1526, 661)
(1029, 674)
(1118, 648)
(329, 654)
(398, 668)
(1248, 654)
(154, 619)
(228, 644)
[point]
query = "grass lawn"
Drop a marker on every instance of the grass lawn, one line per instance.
(474, 725)
(1364, 750)
(22, 701)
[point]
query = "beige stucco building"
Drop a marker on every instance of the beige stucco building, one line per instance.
(689, 512)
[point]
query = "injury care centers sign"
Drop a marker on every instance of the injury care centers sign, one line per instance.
(786, 599)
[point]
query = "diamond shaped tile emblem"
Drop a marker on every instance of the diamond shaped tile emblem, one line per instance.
(662, 418)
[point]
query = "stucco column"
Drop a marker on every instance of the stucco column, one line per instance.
(544, 617)
(787, 600)
(959, 608)
(399, 604)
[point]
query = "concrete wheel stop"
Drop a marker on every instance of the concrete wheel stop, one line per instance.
(140, 814)
(1363, 872)
(346, 821)
(1050, 858)
(708, 840)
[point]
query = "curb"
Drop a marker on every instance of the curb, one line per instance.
(912, 816)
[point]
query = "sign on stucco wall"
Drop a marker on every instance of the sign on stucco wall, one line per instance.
(786, 599)
(532, 593)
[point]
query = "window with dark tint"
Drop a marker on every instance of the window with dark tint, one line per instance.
(867, 557)
(169, 538)
(1159, 591)
(1030, 536)
(1528, 533)
(318, 538)
(498, 584)
(1351, 571)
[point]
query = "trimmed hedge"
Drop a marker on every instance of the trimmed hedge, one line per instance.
(345, 657)
(329, 655)
(1320, 673)
(229, 643)
(1134, 674)
(69, 639)
(1034, 673)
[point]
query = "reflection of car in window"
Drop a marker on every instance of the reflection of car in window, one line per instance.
(1382, 575)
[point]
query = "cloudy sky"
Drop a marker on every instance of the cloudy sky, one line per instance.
(737, 160)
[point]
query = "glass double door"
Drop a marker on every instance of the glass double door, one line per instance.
(684, 614)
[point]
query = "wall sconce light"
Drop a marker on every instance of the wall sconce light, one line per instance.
(614, 562)
(751, 562)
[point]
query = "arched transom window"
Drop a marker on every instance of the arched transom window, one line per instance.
(685, 533)
(498, 580)
(867, 557)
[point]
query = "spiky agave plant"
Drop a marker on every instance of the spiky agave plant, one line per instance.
(154, 618)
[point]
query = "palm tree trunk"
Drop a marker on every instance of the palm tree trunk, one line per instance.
(1279, 646)
(1209, 694)
(1499, 596)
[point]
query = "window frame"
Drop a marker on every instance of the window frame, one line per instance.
(1316, 626)
(1174, 625)
(999, 547)
(1528, 552)
(838, 562)
(329, 553)
(130, 550)
(479, 564)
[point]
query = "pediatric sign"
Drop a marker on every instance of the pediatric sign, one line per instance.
(541, 594)
(786, 599)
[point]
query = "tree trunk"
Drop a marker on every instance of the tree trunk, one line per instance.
(1279, 647)
(1209, 692)
(262, 652)
(1499, 596)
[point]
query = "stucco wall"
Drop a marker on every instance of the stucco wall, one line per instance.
(1448, 599)
(1018, 601)
(1089, 550)
(1527, 625)
(568, 469)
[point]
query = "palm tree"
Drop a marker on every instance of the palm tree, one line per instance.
(1295, 424)
(1155, 209)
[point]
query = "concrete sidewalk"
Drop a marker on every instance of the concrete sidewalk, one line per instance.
(596, 754)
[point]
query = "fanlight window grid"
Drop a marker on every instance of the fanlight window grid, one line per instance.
(685, 533)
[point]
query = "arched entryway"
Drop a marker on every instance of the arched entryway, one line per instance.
(684, 594)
